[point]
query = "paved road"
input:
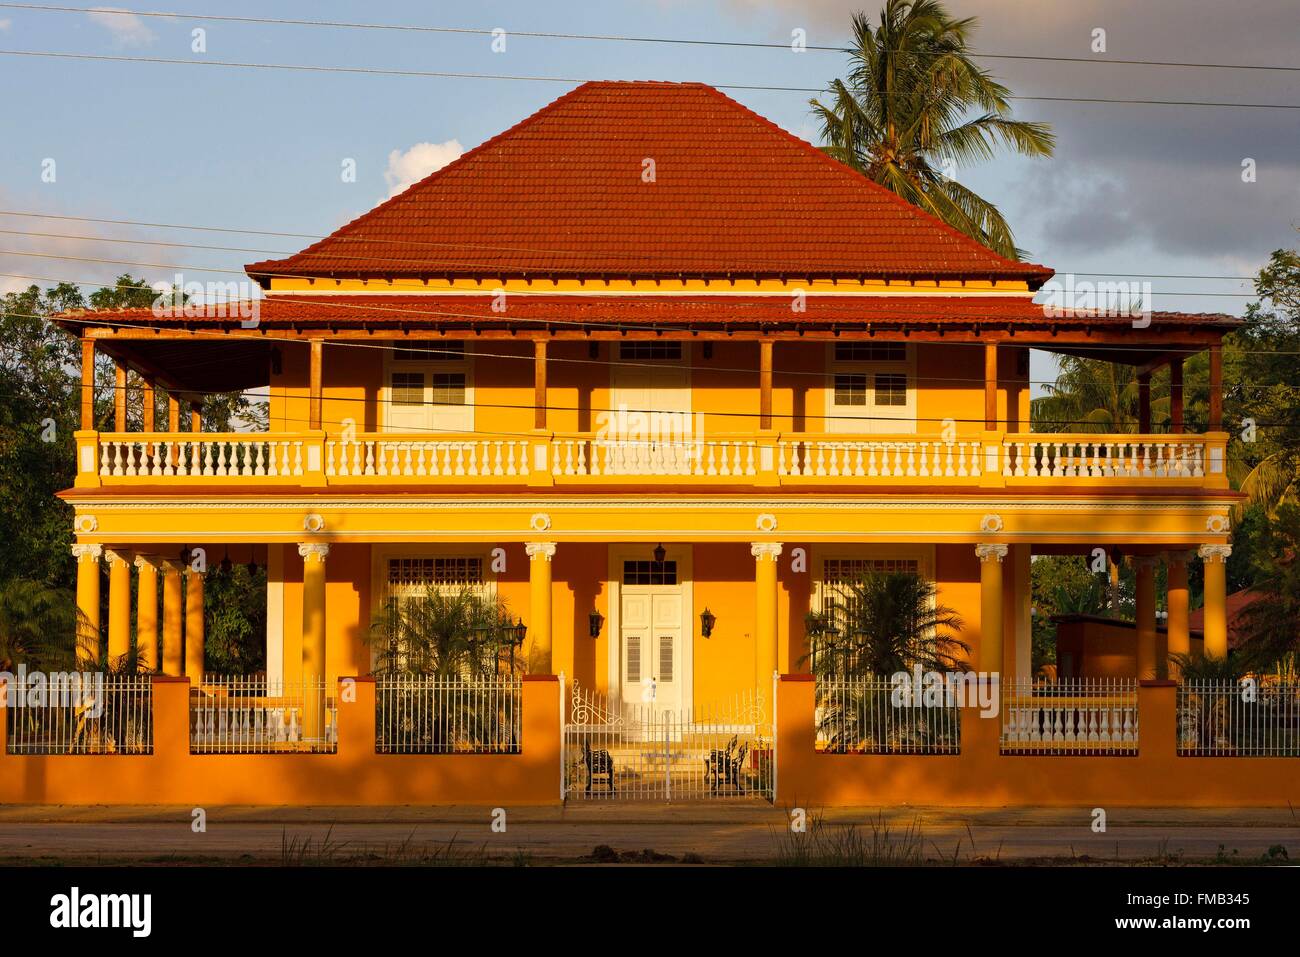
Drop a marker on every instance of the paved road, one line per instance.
(695, 833)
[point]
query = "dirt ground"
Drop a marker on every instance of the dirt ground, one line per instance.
(714, 833)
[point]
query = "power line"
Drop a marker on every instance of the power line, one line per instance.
(684, 41)
(378, 259)
(240, 272)
(447, 74)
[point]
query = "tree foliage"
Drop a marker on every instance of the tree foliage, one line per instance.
(915, 105)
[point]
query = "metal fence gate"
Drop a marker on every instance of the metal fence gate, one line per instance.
(630, 752)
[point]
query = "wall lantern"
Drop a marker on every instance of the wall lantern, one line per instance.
(660, 553)
(707, 620)
(594, 622)
(521, 631)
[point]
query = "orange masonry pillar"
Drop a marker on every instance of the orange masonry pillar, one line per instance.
(313, 638)
(1215, 558)
(119, 607)
(1144, 568)
(539, 607)
(146, 613)
(194, 626)
(765, 618)
(87, 603)
(991, 627)
(1176, 597)
(172, 651)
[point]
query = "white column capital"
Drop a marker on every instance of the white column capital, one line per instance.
(90, 553)
(1214, 553)
(994, 553)
(544, 550)
(147, 561)
(761, 550)
(313, 551)
(113, 556)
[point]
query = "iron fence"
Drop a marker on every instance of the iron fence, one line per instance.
(1089, 716)
(867, 716)
(417, 714)
(1250, 718)
(80, 713)
(253, 715)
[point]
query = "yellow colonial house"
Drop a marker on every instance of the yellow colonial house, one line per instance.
(663, 377)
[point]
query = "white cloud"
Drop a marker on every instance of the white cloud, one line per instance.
(406, 168)
(127, 29)
(5, 24)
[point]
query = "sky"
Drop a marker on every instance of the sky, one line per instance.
(1132, 189)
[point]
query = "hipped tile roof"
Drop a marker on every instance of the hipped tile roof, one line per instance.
(568, 192)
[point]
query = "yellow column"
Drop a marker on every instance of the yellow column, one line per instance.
(992, 633)
(1176, 597)
(313, 639)
(119, 607)
(539, 607)
(87, 603)
(146, 613)
(765, 617)
(172, 652)
(1215, 558)
(194, 625)
(1144, 599)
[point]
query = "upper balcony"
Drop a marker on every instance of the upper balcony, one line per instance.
(926, 391)
(736, 460)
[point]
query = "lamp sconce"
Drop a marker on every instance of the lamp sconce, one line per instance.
(707, 620)
(595, 621)
(521, 631)
(660, 553)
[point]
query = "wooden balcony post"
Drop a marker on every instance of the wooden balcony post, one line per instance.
(765, 384)
(539, 383)
(119, 397)
(173, 414)
(87, 385)
(1176, 395)
(1216, 388)
(314, 387)
(148, 401)
(196, 417)
(1144, 403)
(990, 386)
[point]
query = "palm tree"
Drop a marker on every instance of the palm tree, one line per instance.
(36, 625)
(888, 622)
(443, 633)
(905, 113)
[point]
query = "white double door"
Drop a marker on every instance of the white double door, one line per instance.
(650, 625)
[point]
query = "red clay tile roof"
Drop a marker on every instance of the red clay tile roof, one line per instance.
(562, 194)
(558, 311)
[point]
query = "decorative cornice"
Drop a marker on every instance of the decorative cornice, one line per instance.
(991, 552)
(761, 550)
(544, 550)
(1214, 553)
(313, 551)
